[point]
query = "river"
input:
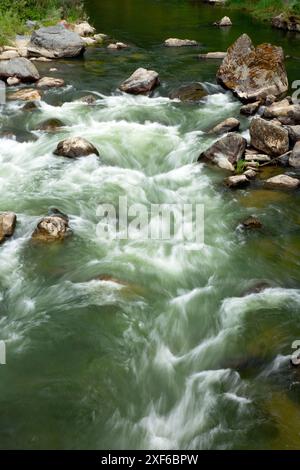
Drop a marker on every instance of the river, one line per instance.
(182, 356)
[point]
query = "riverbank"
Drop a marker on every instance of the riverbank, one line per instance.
(20, 18)
(267, 9)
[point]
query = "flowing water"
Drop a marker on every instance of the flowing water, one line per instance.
(179, 353)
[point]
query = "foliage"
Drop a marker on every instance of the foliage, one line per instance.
(268, 8)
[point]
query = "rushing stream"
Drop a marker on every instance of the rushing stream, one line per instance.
(183, 355)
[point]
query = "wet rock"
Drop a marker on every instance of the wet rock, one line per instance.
(88, 41)
(20, 68)
(225, 152)
(55, 42)
(282, 182)
(51, 228)
(251, 174)
(294, 133)
(117, 46)
(30, 106)
(229, 125)
(75, 147)
(213, 55)
(40, 59)
(270, 99)
(257, 288)
(140, 82)
(99, 38)
(175, 42)
(294, 159)
(250, 109)
(225, 21)
(50, 82)
(88, 99)
(13, 81)
(191, 93)
(255, 156)
(268, 138)
(29, 94)
(8, 222)
(252, 223)
(288, 23)
(237, 181)
(50, 125)
(84, 29)
(53, 211)
(253, 73)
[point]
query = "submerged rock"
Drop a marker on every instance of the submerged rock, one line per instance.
(55, 42)
(88, 99)
(117, 46)
(8, 222)
(253, 73)
(50, 125)
(52, 228)
(225, 21)
(294, 158)
(213, 55)
(75, 147)
(225, 152)
(140, 82)
(268, 137)
(229, 125)
(50, 82)
(237, 181)
(282, 182)
(252, 222)
(20, 68)
(189, 93)
(29, 94)
(175, 42)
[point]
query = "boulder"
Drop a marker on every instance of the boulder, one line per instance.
(288, 23)
(75, 147)
(237, 181)
(8, 222)
(294, 133)
(191, 93)
(29, 94)
(6, 55)
(20, 68)
(229, 125)
(252, 223)
(213, 55)
(99, 38)
(282, 182)
(268, 137)
(117, 46)
(225, 152)
(13, 81)
(88, 41)
(250, 108)
(253, 73)
(294, 158)
(175, 42)
(50, 82)
(140, 82)
(55, 42)
(88, 99)
(285, 112)
(84, 29)
(251, 174)
(225, 21)
(51, 228)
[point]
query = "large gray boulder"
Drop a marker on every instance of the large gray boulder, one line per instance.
(282, 182)
(74, 147)
(268, 137)
(253, 73)
(55, 42)
(225, 152)
(20, 68)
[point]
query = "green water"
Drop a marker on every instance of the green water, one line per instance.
(177, 355)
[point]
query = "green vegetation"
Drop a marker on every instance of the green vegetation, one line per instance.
(266, 9)
(13, 15)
